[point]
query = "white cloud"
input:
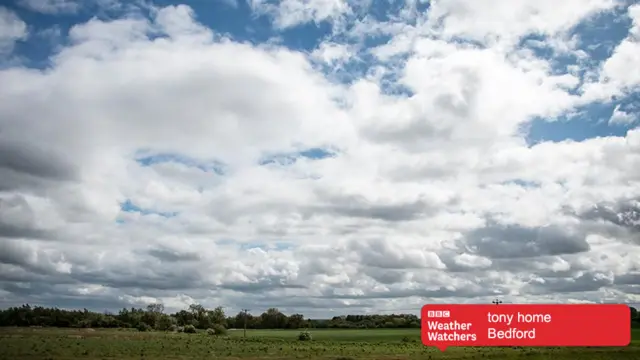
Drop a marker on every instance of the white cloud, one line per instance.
(433, 195)
(51, 6)
(290, 13)
(331, 53)
(12, 29)
(507, 20)
(618, 75)
(621, 117)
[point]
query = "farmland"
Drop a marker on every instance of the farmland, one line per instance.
(58, 344)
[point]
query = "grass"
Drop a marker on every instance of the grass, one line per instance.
(67, 344)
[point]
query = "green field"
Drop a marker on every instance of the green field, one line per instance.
(58, 344)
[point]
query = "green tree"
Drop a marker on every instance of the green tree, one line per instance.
(217, 316)
(273, 319)
(165, 322)
(199, 316)
(296, 321)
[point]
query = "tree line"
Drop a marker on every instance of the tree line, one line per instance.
(155, 317)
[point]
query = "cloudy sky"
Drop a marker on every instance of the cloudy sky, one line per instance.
(320, 156)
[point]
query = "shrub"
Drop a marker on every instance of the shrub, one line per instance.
(210, 331)
(304, 336)
(165, 322)
(143, 327)
(180, 329)
(173, 328)
(189, 329)
(219, 329)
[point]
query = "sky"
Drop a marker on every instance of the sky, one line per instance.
(324, 157)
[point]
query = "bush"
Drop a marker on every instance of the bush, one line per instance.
(180, 329)
(173, 328)
(143, 327)
(165, 322)
(189, 329)
(304, 336)
(219, 330)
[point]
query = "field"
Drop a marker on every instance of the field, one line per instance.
(58, 344)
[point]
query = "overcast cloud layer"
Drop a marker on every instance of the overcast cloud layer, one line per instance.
(154, 158)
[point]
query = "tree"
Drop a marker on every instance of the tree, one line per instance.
(217, 316)
(153, 314)
(197, 310)
(634, 313)
(165, 322)
(296, 321)
(273, 319)
(156, 308)
(199, 315)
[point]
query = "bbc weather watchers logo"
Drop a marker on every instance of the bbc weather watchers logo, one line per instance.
(438, 314)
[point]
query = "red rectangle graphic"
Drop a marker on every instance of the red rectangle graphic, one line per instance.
(526, 325)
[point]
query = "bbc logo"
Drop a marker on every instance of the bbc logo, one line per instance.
(438, 313)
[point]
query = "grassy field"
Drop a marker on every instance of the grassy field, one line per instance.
(58, 344)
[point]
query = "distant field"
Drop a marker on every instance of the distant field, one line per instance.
(339, 335)
(67, 344)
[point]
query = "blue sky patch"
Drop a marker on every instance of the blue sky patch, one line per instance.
(130, 206)
(522, 183)
(288, 159)
(278, 246)
(599, 36)
(264, 245)
(587, 122)
(213, 166)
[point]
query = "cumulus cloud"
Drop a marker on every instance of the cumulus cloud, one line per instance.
(157, 159)
(51, 6)
(12, 29)
(291, 13)
(621, 117)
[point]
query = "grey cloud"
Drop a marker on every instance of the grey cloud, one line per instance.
(440, 292)
(382, 253)
(28, 158)
(619, 220)
(19, 253)
(513, 241)
(260, 286)
(386, 276)
(589, 281)
(13, 253)
(411, 136)
(628, 279)
(160, 278)
(625, 214)
(629, 289)
(12, 231)
(359, 207)
(17, 219)
(47, 295)
(169, 255)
